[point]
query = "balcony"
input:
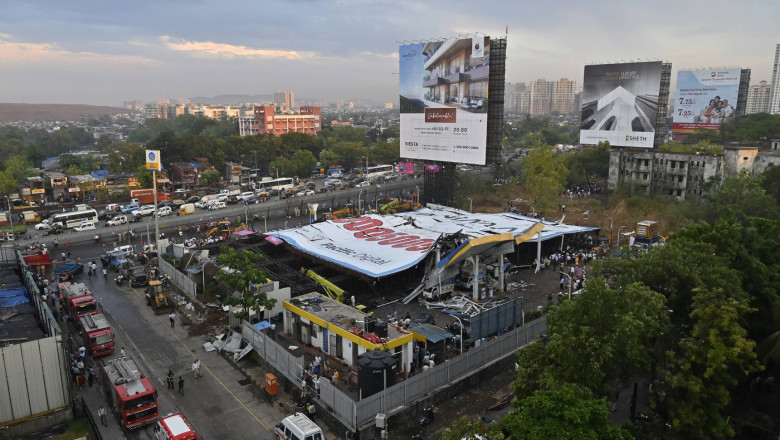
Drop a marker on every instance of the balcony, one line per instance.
(433, 80)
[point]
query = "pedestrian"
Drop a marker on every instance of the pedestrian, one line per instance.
(102, 415)
(105, 274)
(56, 243)
(82, 351)
(70, 343)
(181, 386)
(172, 317)
(196, 368)
(122, 352)
(317, 385)
(335, 378)
(273, 331)
(169, 379)
(91, 376)
(100, 303)
(80, 381)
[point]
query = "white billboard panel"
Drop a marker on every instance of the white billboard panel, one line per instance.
(444, 96)
(705, 98)
(619, 104)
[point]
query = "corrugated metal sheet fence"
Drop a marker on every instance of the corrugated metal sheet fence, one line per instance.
(179, 279)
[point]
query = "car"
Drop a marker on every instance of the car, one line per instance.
(192, 199)
(181, 191)
(422, 318)
(245, 195)
(232, 199)
(144, 210)
(164, 211)
(43, 226)
(218, 205)
(363, 184)
(135, 219)
(113, 207)
(86, 226)
(178, 202)
(167, 203)
(331, 181)
(117, 220)
(274, 193)
(127, 209)
(305, 192)
(251, 200)
(55, 229)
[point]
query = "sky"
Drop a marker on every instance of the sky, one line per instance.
(106, 52)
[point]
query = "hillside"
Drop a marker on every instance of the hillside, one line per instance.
(10, 112)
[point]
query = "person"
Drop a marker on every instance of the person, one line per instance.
(70, 343)
(273, 331)
(317, 385)
(352, 379)
(80, 381)
(122, 352)
(311, 409)
(335, 378)
(169, 379)
(102, 415)
(91, 376)
(196, 368)
(82, 351)
(181, 386)
(172, 317)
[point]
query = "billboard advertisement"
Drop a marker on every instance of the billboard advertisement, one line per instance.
(619, 104)
(705, 98)
(444, 93)
(405, 167)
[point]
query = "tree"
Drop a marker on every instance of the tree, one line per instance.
(209, 178)
(144, 177)
(545, 172)
(242, 275)
(566, 412)
(466, 428)
(302, 162)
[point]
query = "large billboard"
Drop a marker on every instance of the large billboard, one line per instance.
(444, 93)
(619, 104)
(705, 98)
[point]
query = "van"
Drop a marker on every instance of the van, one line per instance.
(117, 220)
(298, 427)
(174, 427)
(87, 226)
(187, 208)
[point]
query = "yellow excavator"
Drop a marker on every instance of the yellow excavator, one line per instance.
(347, 211)
(334, 292)
(157, 299)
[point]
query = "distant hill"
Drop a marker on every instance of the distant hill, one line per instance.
(10, 112)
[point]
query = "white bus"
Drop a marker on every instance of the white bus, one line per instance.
(282, 184)
(377, 171)
(74, 218)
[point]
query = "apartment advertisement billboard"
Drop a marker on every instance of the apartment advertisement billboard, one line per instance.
(619, 104)
(705, 98)
(443, 94)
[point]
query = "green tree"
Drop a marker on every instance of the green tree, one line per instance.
(144, 177)
(743, 194)
(243, 274)
(73, 170)
(545, 172)
(302, 162)
(209, 178)
(465, 428)
(589, 164)
(566, 412)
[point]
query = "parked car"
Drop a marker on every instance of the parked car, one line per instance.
(127, 209)
(192, 199)
(43, 226)
(218, 205)
(86, 226)
(135, 219)
(363, 184)
(164, 211)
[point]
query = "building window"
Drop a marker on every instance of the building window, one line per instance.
(680, 179)
(673, 165)
(745, 158)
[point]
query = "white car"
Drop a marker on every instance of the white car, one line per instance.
(117, 220)
(43, 226)
(305, 192)
(245, 195)
(362, 184)
(88, 226)
(144, 210)
(218, 205)
(164, 211)
(333, 182)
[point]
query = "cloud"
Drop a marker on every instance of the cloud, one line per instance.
(16, 52)
(227, 50)
(380, 55)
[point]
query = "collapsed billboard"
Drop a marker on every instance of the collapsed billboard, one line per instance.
(444, 96)
(620, 103)
(705, 98)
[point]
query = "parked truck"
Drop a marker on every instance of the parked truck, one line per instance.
(79, 300)
(146, 196)
(68, 270)
(132, 394)
(174, 427)
(97, 335)
(30, 217)
(187, 208)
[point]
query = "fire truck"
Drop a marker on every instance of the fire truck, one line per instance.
(132, 395)
(97, 335)
(174, 427)
(79, 300)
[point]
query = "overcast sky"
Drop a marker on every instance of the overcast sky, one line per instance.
(105, 52)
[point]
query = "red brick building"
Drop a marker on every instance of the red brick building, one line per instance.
(265, 120)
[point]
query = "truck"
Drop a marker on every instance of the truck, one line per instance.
(187, 208)
(36, 258)
(97, 335)
(68, 270)
(136, 275)
(210, 199)
(146, 196)
(298, 426)
(79, 301)
(132, 395)
(30, 217)
(174, 427)
(157, 299)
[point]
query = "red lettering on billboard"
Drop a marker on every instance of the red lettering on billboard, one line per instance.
(440, 115)
(369, 229)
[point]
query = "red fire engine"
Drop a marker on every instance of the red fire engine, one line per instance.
(132, 395)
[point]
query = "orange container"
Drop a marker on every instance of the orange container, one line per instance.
(271, 384)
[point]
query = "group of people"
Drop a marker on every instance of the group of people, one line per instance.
(716, 111)
(81, 365)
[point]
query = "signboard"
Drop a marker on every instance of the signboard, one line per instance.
(619, 104)
(705, 98)
(406, 167)
(432, 168)
(373, 245)
(153, 160)
(444, 88)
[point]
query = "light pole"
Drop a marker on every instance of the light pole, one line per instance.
(360, 206)
(618, 237)
(471, 206)
(611, 223)
(265, 224)
(568, 276)
(460, 324)
(277, 172)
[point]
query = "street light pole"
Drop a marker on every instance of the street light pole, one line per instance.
(618, 237)
(460, 324)
(360, 206)
(265, 224)
(471, 210)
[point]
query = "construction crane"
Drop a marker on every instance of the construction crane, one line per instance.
(334, 292)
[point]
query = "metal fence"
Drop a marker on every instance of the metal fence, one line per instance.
(179, 279)
(357, 415)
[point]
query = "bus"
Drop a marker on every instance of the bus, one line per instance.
(74, 218)
(377, 171)
(282, 184)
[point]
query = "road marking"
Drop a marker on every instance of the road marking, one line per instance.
(142, 296)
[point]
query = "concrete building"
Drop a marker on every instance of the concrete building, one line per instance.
(684, 175)
(284, 101)
(774, 98)
(564, 96)
(264, 120)
(758, 98)
(541, 97)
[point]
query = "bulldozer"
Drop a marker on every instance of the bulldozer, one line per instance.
(222, 227)
(347, 211)
(157, 298)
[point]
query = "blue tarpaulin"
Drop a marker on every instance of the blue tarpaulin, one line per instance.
(262, 325)
(12, 296)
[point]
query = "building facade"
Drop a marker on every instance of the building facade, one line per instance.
(681, 176)
(264, 120)
(758, 98)
(284, 101)
(774, 98)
